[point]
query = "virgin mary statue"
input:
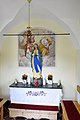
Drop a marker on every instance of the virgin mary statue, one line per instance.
(36, 62)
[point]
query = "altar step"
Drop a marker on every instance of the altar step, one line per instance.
(71, 110)
(33, 111)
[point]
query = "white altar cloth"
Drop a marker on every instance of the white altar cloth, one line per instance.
(36, 96)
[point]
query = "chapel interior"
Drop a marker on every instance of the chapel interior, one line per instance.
(39, 60)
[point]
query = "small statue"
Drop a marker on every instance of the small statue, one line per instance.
(36, 65)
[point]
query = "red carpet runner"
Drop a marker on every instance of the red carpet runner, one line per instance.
(71, 110)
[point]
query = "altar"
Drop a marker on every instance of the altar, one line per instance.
(30, 101)
(27, 94)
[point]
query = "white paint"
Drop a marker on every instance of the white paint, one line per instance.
(45, 9)
(78, 68)
(67, 58)
(65, 69)
(0, 73)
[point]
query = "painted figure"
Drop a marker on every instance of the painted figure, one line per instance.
(44, 46)
(36, 62)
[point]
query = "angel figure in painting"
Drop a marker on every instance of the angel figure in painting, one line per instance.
(36, 62)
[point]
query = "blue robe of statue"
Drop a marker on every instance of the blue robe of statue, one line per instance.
(36, 63)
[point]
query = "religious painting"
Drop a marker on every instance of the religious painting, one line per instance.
(45, 44)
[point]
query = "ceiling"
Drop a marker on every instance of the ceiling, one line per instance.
(66, 10)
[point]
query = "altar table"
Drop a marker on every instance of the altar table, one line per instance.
(28, 94)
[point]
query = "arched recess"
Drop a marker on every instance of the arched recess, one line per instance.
(65, 57)
(38, 14)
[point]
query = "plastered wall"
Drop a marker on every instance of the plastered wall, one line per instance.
(65, 69)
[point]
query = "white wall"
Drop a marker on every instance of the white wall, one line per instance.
(0, 72)
(65, 69)
(67, 57)
(78, 68)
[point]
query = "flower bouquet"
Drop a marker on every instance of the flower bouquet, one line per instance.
(49, 79)
(24, 78)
